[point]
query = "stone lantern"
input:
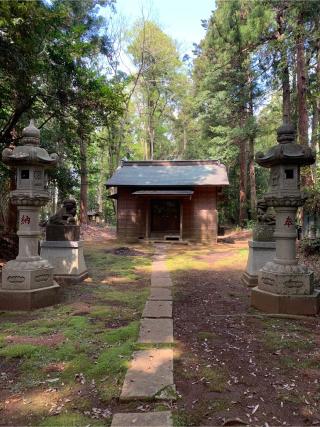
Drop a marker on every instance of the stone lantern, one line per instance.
(27, 281)
(284, 285)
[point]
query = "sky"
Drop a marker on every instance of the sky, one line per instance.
(181, 19)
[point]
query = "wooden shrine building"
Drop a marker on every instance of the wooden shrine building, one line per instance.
(168, 200)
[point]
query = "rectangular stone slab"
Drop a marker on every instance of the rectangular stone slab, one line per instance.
(156, 331)
(148, 419)
(160, 294)
(157, 309)
(161, 281)
(150, 371)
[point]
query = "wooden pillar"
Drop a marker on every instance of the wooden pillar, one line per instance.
(148, 219)
(181, 219)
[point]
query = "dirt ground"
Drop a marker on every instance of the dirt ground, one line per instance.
(64, 365)
(235, 366)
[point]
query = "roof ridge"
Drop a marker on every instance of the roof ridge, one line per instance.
(169, 162)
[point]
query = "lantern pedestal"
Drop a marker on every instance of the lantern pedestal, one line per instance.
(67, 259)
(259, 252)
(29, 299)
(307, 305)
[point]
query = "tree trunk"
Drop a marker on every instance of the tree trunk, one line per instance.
(316, 108)
(286, 101)
(314, 136)
(83, 182)
(242, 183)
(21, 107)
(301, 85)
(12, 212)
(185, 140)
(150, 130)
(252, 174)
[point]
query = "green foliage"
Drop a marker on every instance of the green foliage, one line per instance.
(49, 70)
(59, 64)
(159, 89)
(312, 205)
(18, 350)
(310, 246)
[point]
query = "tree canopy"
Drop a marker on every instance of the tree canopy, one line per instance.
(258, 64)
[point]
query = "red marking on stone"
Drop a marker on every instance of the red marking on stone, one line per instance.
(25, 219)
(288, 222)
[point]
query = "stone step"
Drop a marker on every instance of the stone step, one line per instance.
(163, 281)
(156, 331)
(150, 373)
(160, 294)
(146, 419)
(157, 309)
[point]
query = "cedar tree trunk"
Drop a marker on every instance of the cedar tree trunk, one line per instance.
(83, 182)
(242, 183)
(301, 85)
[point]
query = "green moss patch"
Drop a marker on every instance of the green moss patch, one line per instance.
(215, 378)
(19, 350)
(97, 342)
(70, 420)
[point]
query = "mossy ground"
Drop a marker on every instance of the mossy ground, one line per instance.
(63, 379)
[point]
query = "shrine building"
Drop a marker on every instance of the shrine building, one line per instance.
(168, 200)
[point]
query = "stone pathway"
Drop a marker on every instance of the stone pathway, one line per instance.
(156, 331)
(150, 374)
(149, 419)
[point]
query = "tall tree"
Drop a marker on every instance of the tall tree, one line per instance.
(156, 56)
(227, 85)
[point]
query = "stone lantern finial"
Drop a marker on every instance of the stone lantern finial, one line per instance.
(31, 134)
(286, 133)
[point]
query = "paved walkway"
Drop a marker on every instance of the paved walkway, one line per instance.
(150, 374)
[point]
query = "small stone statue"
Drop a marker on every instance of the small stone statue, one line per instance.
(66, 215)
(63, 224)
(264, 215)
(63, 246)
(264, 229)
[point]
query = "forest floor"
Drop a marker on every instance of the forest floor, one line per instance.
(233, 364)
(65, 365)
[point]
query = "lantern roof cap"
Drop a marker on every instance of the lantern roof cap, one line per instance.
(286, 133)
(287, 151)
(30, 153)
(31, 134)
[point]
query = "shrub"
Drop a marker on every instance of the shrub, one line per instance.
(310, 246)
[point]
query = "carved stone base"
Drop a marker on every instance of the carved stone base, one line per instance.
(67, 259)
(249, 280)
(286, 304)
(280, 279)
(29, 299)
(259, 254)
(20, 275)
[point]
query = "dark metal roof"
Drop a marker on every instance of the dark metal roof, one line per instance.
(186, 193)
(170, 173)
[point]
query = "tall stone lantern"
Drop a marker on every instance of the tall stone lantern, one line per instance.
(284, 285)
(27, 281)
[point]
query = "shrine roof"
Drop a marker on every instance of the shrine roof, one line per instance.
(170, 173)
